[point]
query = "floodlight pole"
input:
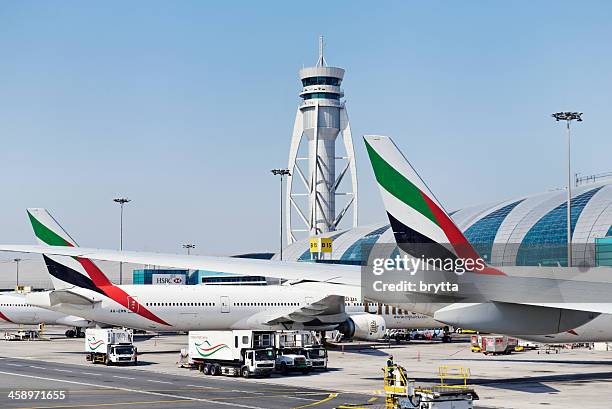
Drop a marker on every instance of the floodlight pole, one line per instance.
(17, 260)
(281, 173)
(121, 201)
(569, 117)
(188, 247)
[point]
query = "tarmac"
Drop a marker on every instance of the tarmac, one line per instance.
(562, 379)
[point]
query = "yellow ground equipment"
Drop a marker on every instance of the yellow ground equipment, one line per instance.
(453, 392)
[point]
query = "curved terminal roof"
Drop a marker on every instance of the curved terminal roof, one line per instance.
(528, 230)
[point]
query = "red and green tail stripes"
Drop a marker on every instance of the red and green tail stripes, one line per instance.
(210, 350)
(46, 235)
(409, 194)
(96, 281)
(396, 184)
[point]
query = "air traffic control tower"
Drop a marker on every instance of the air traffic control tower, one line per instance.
(314, 189)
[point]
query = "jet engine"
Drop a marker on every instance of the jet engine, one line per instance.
(367, 327)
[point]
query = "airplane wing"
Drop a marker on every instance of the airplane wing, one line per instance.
(329, 310)
(287, 270)
(69, 297)
(48, 299)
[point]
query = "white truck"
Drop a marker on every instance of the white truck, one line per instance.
(313, 351)
(232, 352)
(110, 346)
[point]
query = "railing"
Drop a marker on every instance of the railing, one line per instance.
(447, 372)
(583, 180)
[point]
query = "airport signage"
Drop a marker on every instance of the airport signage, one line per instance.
(321, 245)
(170, 279)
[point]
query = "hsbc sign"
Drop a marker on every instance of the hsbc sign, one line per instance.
(172, 279)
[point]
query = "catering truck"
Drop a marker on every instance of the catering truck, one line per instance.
(110, 346)
(308, 345)
(232, 352)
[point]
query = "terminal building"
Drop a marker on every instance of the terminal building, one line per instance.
(529, 230)
(182, 277)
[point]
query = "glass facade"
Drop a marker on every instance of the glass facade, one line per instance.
(355, 251)
(145, 276)
(326, 95)
(321, 81)
(482, 233)
(603, 251)
(545, 243)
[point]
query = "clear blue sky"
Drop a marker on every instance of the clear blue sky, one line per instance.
(185, 106)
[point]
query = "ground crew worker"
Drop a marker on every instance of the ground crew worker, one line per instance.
(390, 369)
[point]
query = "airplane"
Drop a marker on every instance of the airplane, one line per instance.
(81, 288)
(420, 224)
(15, 309)
(502, 310)
(394, 318)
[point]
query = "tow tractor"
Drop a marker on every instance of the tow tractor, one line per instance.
(402, 393)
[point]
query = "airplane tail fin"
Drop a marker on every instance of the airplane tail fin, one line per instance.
(69, 272)
(47, 230)
(65, 271)
(420, 224)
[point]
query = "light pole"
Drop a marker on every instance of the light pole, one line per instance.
(568, 117)
(121, 201)
(281, 173)
(188, 247)
(17, 260)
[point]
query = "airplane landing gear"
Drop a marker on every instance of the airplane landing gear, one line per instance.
(446, 337)
(75, 333)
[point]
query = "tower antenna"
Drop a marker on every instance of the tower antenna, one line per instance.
(321, 62)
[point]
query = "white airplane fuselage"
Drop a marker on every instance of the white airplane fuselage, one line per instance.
(15, 309)
(218, 307)
(190, 307)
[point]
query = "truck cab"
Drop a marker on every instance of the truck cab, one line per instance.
(317, 355)
(122, 354)
(292, 359)
(303, 343)
(110, 346)
(258, 362)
